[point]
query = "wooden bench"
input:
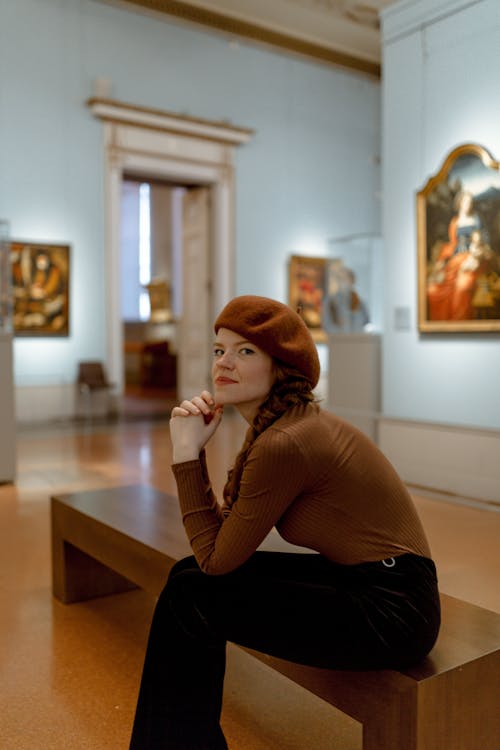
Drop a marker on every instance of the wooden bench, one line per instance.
(110, 540)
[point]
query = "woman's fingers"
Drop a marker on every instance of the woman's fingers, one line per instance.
(178, 411)
(207, 396)
(202, 404)
(189, 436)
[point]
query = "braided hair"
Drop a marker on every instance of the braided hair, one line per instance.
(290, 388)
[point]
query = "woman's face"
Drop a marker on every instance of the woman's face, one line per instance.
(242, 373)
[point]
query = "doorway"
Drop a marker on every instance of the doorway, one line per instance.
(183, 151)
(165, 268)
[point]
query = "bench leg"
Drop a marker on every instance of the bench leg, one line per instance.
(459, 708)
(77, 576)
(456, 709)
(393, 727)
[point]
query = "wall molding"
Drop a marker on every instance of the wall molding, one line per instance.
(453, 460)
(122, 113)
(408, 16)
(228, 24)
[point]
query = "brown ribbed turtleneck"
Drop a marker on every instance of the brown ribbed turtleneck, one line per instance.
(320, 481)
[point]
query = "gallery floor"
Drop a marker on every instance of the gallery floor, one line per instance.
(70, 673)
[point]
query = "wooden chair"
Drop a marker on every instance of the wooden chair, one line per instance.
(91, 381)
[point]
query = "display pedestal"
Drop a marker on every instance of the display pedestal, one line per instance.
(7, 420)
(354, 379)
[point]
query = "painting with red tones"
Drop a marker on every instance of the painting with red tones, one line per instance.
(458, 233)
(306, 290)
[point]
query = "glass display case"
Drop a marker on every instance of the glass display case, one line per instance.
(354, 289)
(353, 318)
(5, 280)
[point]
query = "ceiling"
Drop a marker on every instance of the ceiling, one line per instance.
(343, 33)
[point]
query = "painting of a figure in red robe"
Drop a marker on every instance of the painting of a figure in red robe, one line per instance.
(40, 289)
(459, 244)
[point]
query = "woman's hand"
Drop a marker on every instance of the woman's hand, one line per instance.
(192, 424)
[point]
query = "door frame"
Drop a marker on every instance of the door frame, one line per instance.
(175, 148)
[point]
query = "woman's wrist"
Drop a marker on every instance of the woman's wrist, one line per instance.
(183, 455)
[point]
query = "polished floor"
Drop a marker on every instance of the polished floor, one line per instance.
(70, 672)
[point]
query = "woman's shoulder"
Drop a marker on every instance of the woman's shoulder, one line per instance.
(303, 419)
(317, 425)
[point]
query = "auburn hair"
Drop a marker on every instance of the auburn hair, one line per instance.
(290, 388)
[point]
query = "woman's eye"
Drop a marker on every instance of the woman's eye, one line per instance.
(218, 352)
(246, 351)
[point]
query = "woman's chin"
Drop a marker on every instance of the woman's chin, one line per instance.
(220, 397)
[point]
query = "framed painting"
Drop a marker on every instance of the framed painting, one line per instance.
(306, 289)
(458, 235)
(40, 288)
(5, 294)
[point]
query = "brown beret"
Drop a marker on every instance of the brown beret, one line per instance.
(276, 329)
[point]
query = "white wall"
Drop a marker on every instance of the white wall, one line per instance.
(441, 87)
(309, 173)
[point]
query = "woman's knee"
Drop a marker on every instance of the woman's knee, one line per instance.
(186, 563)
(187, 596)
(176, 579)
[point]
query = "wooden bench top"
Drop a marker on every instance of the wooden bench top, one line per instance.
(136, 530)
(107, 540)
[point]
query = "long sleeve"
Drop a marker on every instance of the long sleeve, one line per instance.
(270, 483)
(201, 514)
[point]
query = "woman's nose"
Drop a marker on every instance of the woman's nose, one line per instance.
(226, 360)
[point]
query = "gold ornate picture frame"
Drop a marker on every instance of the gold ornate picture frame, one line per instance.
(306, 289)
(40, 288)
(458, 235)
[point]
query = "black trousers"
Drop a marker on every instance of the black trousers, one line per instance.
(301, 607)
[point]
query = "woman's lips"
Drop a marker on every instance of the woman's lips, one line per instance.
(224, 381)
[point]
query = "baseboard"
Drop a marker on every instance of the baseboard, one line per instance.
(49, 403)
(460, 463)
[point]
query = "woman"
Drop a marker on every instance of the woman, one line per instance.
(364, 598)
(442, 279)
